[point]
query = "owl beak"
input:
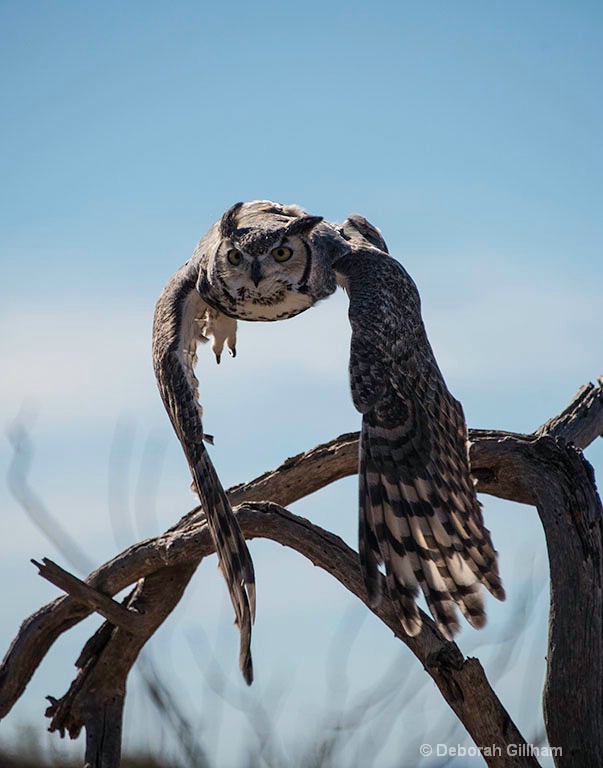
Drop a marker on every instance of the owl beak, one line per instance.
(256, 272)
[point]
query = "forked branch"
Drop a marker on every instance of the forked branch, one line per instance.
(542, 469)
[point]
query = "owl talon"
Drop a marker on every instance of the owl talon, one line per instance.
(219, 329)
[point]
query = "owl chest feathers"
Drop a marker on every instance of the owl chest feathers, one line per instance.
(284, 302)
(273, 299)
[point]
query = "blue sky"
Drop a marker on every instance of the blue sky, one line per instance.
(468, 132)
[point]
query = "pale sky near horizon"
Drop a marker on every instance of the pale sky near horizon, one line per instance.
(470, 133)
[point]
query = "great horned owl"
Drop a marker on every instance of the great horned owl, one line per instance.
(419, 515)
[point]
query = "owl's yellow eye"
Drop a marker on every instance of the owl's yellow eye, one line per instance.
(234, 257)
(282, 253)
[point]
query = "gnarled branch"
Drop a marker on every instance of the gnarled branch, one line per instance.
(544, 469)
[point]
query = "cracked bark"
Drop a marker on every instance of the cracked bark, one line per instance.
(545, 469)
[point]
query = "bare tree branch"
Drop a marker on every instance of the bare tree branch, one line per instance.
(104, 665)
(582, 421)
(95, 699)
(84, 593)
(541, 469)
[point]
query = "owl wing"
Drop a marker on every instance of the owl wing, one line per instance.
(419, 514)
(182, 320)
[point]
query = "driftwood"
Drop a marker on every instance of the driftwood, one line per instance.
(545, 469)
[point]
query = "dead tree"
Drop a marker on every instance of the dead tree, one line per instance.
(545, 469)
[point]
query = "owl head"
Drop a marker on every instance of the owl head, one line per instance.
(265, 261)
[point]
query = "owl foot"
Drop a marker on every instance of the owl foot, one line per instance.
(220, 329)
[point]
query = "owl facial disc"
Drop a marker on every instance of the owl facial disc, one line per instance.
(264, 267)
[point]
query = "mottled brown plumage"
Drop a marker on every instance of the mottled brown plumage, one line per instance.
(419, 514)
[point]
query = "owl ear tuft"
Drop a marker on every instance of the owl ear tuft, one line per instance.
(303, 224)
(228, 222)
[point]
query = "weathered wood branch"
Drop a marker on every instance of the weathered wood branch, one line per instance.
(540, 469)
(95, 699)
(104, 666)
(582, 421)
(84, 593)
(554, 476)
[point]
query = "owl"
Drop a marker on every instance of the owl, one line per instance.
(419, 517)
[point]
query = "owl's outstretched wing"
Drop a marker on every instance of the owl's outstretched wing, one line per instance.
(419, 514)
(182, 320)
